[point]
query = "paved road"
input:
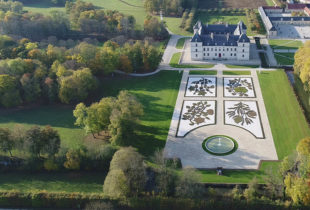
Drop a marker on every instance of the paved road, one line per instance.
(170, 49)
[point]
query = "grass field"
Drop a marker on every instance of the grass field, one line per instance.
(236, 72)
(288, 126)
(284, 44)
(158, 96)
(53, 182)
(180, 43)
(241, 67)
(173, 24)
(284, 58)
(174, 62)
(135, 8)
(203, 72)
(59, 117)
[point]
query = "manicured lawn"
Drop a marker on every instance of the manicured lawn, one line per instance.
(59, 117)
(158, 95)
(203, 72)
(174, 62)
(134, 7)
(288, 124)
(284, 58)
(241, 67)
(180, 43)
(284, 44)
(52, 182)
(236, 72)
(173, 24)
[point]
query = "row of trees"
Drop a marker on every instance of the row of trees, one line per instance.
(118, 116)
(12, 6)
(169, 7)
(302, 65)
(188, 19)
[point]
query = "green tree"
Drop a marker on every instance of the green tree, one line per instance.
(50, 141)
(6, 140)
(76, 87)
(9, 93)
(129, 165)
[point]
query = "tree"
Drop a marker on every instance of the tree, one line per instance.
(127, 175)
(124, 117)
(50, 141)
(31, 87)
(76, 87)
(303, 147)
(188, 186)
(9, 93)
(73, 160)
(33, 141)
(6, 140)
(155, 29)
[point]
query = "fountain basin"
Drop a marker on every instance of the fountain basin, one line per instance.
(220, 145)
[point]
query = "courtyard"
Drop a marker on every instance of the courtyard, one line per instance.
(231, 106)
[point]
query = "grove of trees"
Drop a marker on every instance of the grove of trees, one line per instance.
(169, 7)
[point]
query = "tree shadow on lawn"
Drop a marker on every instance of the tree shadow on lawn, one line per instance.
(58, 181)
(55, 116)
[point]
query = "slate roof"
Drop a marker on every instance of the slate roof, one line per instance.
(220, 34)
(296, 6)
(306, 18)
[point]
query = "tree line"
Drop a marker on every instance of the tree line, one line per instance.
(169, 7)
(29, 72)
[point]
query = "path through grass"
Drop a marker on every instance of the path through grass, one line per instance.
(174, 62)
(284, 44)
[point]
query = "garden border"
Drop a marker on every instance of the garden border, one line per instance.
(202, 76)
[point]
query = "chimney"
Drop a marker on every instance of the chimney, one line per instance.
(212, 36)
(227, 36)
(226, 25)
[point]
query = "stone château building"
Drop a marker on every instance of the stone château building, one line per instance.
(220, 42)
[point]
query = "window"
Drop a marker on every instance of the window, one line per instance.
(215, 49)
(223, 49)
(243, 50)
(230, 49)
(215, 54)
(204, 49)
(207, 49)
(220, 49)
(227, 49)
(207, 54)
(211, 49)
(196, 55)
(223, 54)
(196, 45)
(204, 54)
(230, 54)
(196, 50)
(243, 45)
(243, 56)
(235, 49)
(235, 54)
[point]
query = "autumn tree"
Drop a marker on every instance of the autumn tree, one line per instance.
(9, 93)
(127, 174)
(76, 87)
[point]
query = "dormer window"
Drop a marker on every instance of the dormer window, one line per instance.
(215, 43)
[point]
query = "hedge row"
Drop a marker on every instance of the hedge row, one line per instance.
(42, 199)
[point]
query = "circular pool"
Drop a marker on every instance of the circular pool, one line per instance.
(219, 145)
